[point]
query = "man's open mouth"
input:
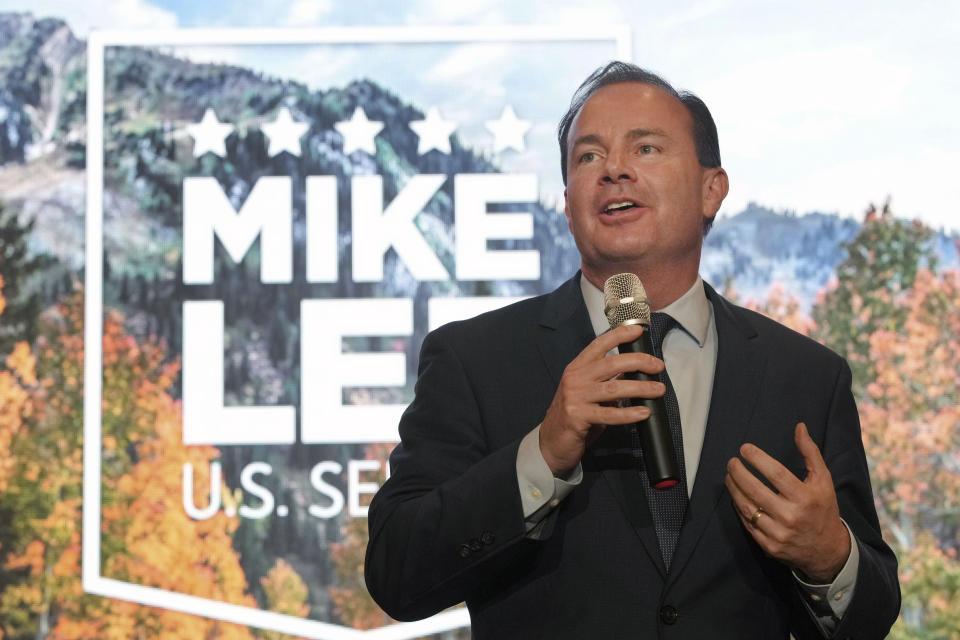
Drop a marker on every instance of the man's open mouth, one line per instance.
(623, 205)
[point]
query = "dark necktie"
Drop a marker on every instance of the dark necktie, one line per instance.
(669, 505)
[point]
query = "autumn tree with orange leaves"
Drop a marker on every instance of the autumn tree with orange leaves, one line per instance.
(352, 601)
(286, 593)
(911, 426)
(786, 308)
(897, 322)
(147, 538)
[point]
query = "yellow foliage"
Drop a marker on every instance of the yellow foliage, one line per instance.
(285, 589)
(147, 537)
(31, 559)
(14, 403)
(22, 363)
(286, 593)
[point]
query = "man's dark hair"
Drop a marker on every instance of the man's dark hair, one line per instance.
(704, 129)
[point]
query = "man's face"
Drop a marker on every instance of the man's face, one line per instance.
(636, 194)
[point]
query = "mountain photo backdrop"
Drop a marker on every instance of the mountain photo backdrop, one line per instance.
(281, 527)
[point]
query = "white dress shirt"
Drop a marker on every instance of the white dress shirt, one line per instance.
(690, 356)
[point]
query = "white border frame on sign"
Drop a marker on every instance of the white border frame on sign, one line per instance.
(95, 583)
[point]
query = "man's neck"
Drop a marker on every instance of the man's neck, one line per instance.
(662, 286)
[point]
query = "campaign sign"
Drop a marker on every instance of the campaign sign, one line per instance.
(281, 216)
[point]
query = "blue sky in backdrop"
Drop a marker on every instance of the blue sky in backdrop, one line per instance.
(820, 105)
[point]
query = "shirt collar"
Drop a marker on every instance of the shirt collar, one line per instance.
(691, 310)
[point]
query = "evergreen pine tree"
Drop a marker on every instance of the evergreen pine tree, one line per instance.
(17, 264)
(882, 262)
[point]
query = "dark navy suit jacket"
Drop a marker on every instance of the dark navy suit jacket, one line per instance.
(448, 525)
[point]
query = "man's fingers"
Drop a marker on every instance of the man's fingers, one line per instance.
(609, 340)
(770, 468)
(620, 389)
(608, 367)
(593, 364)
(763, 530)
(760, 521)
(809, 450)
(605, 368)
(754, 491)
(744, 506)
(602, 414)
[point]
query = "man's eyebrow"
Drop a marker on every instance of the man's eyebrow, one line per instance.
(590, 138)
(633, 134)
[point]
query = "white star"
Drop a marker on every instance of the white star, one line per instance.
(434, 132)
(358, 132)
(209, 135)
(508, 131)
(284, 133)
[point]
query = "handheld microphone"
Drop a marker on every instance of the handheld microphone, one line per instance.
(625, 302)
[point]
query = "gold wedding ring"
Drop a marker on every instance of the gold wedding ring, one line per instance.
(756, 516)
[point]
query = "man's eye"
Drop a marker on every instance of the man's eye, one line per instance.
(647, 148)
(589, 156)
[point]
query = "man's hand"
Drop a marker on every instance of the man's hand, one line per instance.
(580, 409)
(799, 524)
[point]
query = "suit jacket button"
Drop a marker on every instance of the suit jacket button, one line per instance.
(465, 551)
(487, 537)
(668, 614)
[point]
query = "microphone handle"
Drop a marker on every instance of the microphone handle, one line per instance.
(658, 455)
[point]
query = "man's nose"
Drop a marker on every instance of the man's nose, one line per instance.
(617, 168)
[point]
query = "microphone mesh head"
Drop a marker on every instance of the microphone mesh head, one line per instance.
(625, 301)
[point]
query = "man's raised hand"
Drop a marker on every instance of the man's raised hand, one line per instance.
(799, 524)
(585, 400)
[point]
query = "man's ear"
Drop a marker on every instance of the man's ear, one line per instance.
(566, 210)
(716, 184)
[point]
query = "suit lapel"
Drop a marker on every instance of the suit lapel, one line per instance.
(736, 386)
(564, 327)
(565, 331)
(612, 455)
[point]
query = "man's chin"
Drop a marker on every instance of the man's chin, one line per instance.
(615, 263)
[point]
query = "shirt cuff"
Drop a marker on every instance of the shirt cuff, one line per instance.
(540, 491)
(828, 602)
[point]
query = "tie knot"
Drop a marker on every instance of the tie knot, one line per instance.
(660, 326)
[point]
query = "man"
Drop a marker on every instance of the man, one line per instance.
(519, 487)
